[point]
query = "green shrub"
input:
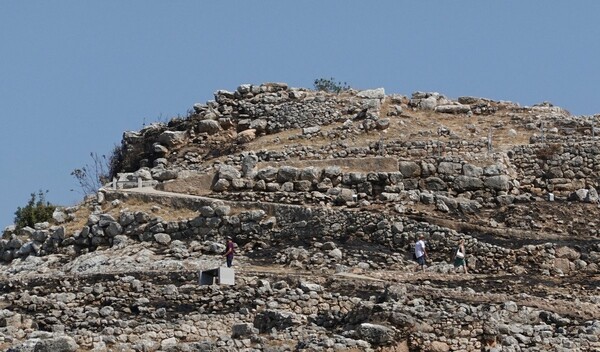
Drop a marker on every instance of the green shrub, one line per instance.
(36, 210)
(330, 85)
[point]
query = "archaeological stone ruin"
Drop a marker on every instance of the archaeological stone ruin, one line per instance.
(324, 195)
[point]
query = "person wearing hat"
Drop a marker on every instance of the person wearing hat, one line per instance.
(229, 250)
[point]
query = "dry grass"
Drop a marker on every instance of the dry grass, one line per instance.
(132, 204)
(413, 126)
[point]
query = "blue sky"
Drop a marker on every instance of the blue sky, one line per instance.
(74, 75)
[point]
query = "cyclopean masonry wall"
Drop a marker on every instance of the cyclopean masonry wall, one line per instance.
(267, 225)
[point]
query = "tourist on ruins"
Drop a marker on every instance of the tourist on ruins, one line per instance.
(459, 256)
(229, 250)
(421, 252)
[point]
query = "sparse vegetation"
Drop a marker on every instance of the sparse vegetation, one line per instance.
(330, 85)
(102, 169)
(549, 151)
(37, 210)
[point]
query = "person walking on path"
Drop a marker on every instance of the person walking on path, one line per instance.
(459, 256)
(229, 250)
(421, 253)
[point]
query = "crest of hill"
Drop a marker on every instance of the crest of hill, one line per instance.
(324, 195)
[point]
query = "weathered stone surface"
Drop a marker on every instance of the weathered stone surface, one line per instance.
(209, 126)
(566, 252)
(498, 183)
(467, 183)
(270, 319)
(246, 136)
(315, 250)
(409, 169)
(287, 173)
(375, 334)
(453, 109)
(242, 330)
(172, 138)
(57, 344)
(449, 168)
(162, 238)
(378, 93)
(228, 172)
(434, 184)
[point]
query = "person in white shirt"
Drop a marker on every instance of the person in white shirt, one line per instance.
(421, 252)
(459, 256)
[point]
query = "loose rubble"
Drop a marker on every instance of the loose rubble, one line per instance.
(324, 195)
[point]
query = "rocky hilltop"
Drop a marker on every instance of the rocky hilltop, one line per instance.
(324, 196)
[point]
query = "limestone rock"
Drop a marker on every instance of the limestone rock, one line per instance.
(498, 183)
(228, 172)
(172, 138)
(375, 334)
(467, 183)
(246, 136)
(409, 169)
(209, 126)
(378, 93)
(56, 344)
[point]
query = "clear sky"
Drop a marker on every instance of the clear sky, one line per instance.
(74, 75)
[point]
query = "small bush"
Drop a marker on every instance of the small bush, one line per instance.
(36, 210)
(115, 161)
(330, 85)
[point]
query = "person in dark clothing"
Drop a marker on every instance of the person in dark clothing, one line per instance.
(229, 250)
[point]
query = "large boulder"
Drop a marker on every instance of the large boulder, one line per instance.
(566, 252)
(375, 334)
(467, 183)
(287, 174)
(161, 174)
(268, 174)
(172, 138)
(269, 319)
(332, 172)
(439, 346)
(449, 168)
(246, 136)
(453, 109)
(259, 125)
(56, 344)
(243, 329)
(434, 184)
(311, 174)
(209, 126)
(498, 183)
(228, 172)
(248, 164)
(472, 170)
(378, 93)
(409, 169)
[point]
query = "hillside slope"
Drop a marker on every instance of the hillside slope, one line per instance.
(324, 195)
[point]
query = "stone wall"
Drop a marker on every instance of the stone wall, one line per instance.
(355, 237)
(559, 168)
